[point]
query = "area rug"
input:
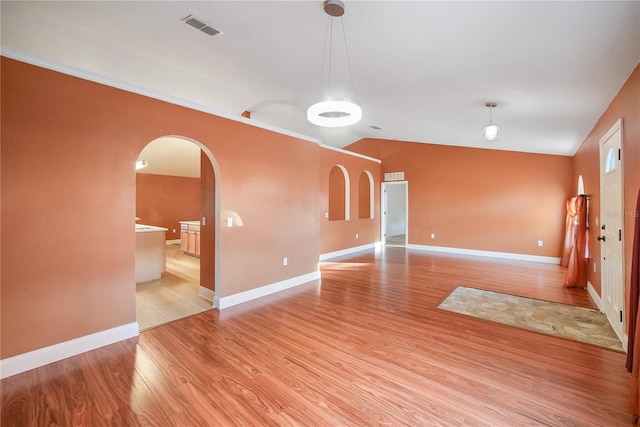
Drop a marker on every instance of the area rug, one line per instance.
(551, 318)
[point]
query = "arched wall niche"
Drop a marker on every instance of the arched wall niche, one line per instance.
(339, 194)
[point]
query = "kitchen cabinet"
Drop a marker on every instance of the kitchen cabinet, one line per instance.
(190, 237)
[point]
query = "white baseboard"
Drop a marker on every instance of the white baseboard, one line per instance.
(205, 293)
(348, 251)
(239, 298)
(53, 353)
(173, 242)
(503, 255)
(594, 295)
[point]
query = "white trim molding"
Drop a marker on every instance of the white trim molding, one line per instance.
(349, 251)
(206, 293)
(349, 153)
(503, 255)
(263, 291)
(28, 58)
(172, 242)
(53, 353)
(594, 295)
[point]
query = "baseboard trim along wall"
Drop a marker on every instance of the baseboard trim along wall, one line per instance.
(205, 293)
(348, 251)
(262, 291)
(503, 255)
(594, 295)
(173, 242)
(53, 353)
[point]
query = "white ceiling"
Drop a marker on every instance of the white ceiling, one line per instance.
(171, 156)
(422, 71)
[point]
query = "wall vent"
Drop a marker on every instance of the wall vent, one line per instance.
(199, 24)
(394, 176)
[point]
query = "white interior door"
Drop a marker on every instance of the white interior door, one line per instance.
(395, 213)
(611, 228)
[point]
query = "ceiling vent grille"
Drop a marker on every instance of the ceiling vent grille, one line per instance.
(394, 176)
(199, 24)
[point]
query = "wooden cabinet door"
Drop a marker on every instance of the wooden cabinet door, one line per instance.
(184, 241)
(191, 244)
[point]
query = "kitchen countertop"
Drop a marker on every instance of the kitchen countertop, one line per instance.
(142, 228)
(190, 222)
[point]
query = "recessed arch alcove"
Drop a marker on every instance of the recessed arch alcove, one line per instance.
(365, 195)
(339, 194)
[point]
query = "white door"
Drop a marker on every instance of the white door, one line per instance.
(394, 222)
(611, 231)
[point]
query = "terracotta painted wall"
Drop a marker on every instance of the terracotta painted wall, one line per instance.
(625, 105)
(68, 199)
(478, 199)
(339, 235)
(163, 201)
(207, 233)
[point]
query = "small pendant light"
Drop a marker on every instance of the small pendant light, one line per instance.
(492, 131)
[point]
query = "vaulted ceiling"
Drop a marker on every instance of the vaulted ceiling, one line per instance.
(422, 71)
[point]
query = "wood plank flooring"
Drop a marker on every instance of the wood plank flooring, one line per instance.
(366, 346)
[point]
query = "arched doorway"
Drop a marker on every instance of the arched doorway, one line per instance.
(176, 196)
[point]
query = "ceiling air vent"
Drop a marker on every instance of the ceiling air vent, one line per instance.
(200, 25)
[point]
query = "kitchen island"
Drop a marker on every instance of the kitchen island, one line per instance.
(150, 252)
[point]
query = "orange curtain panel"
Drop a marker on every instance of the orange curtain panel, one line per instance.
(574, 254)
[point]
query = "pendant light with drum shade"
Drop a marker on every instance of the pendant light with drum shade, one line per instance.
(492, 131)
(334, 113)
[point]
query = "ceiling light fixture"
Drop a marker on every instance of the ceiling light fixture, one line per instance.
(333, 113)
(492, 131)
(141, 164)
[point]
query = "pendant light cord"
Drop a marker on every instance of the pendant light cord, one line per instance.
(328, 32)
(346, 49)
(328, 45)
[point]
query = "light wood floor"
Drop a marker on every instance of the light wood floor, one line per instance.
(175, 295)
(366, 346)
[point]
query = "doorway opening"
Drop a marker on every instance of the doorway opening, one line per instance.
(612, 229)
(176, 200)
(395, 213)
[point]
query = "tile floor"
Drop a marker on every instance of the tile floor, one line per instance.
(551, 318)
(398, 240)
(175, 295)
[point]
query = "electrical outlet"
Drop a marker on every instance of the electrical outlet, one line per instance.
(433, 235)
(539, 242)
(230, 222)
(356, 235)
(285, 261)
(174, 231)
(594, 267)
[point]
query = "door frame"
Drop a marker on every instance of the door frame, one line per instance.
(617, 127)
(384, 209)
